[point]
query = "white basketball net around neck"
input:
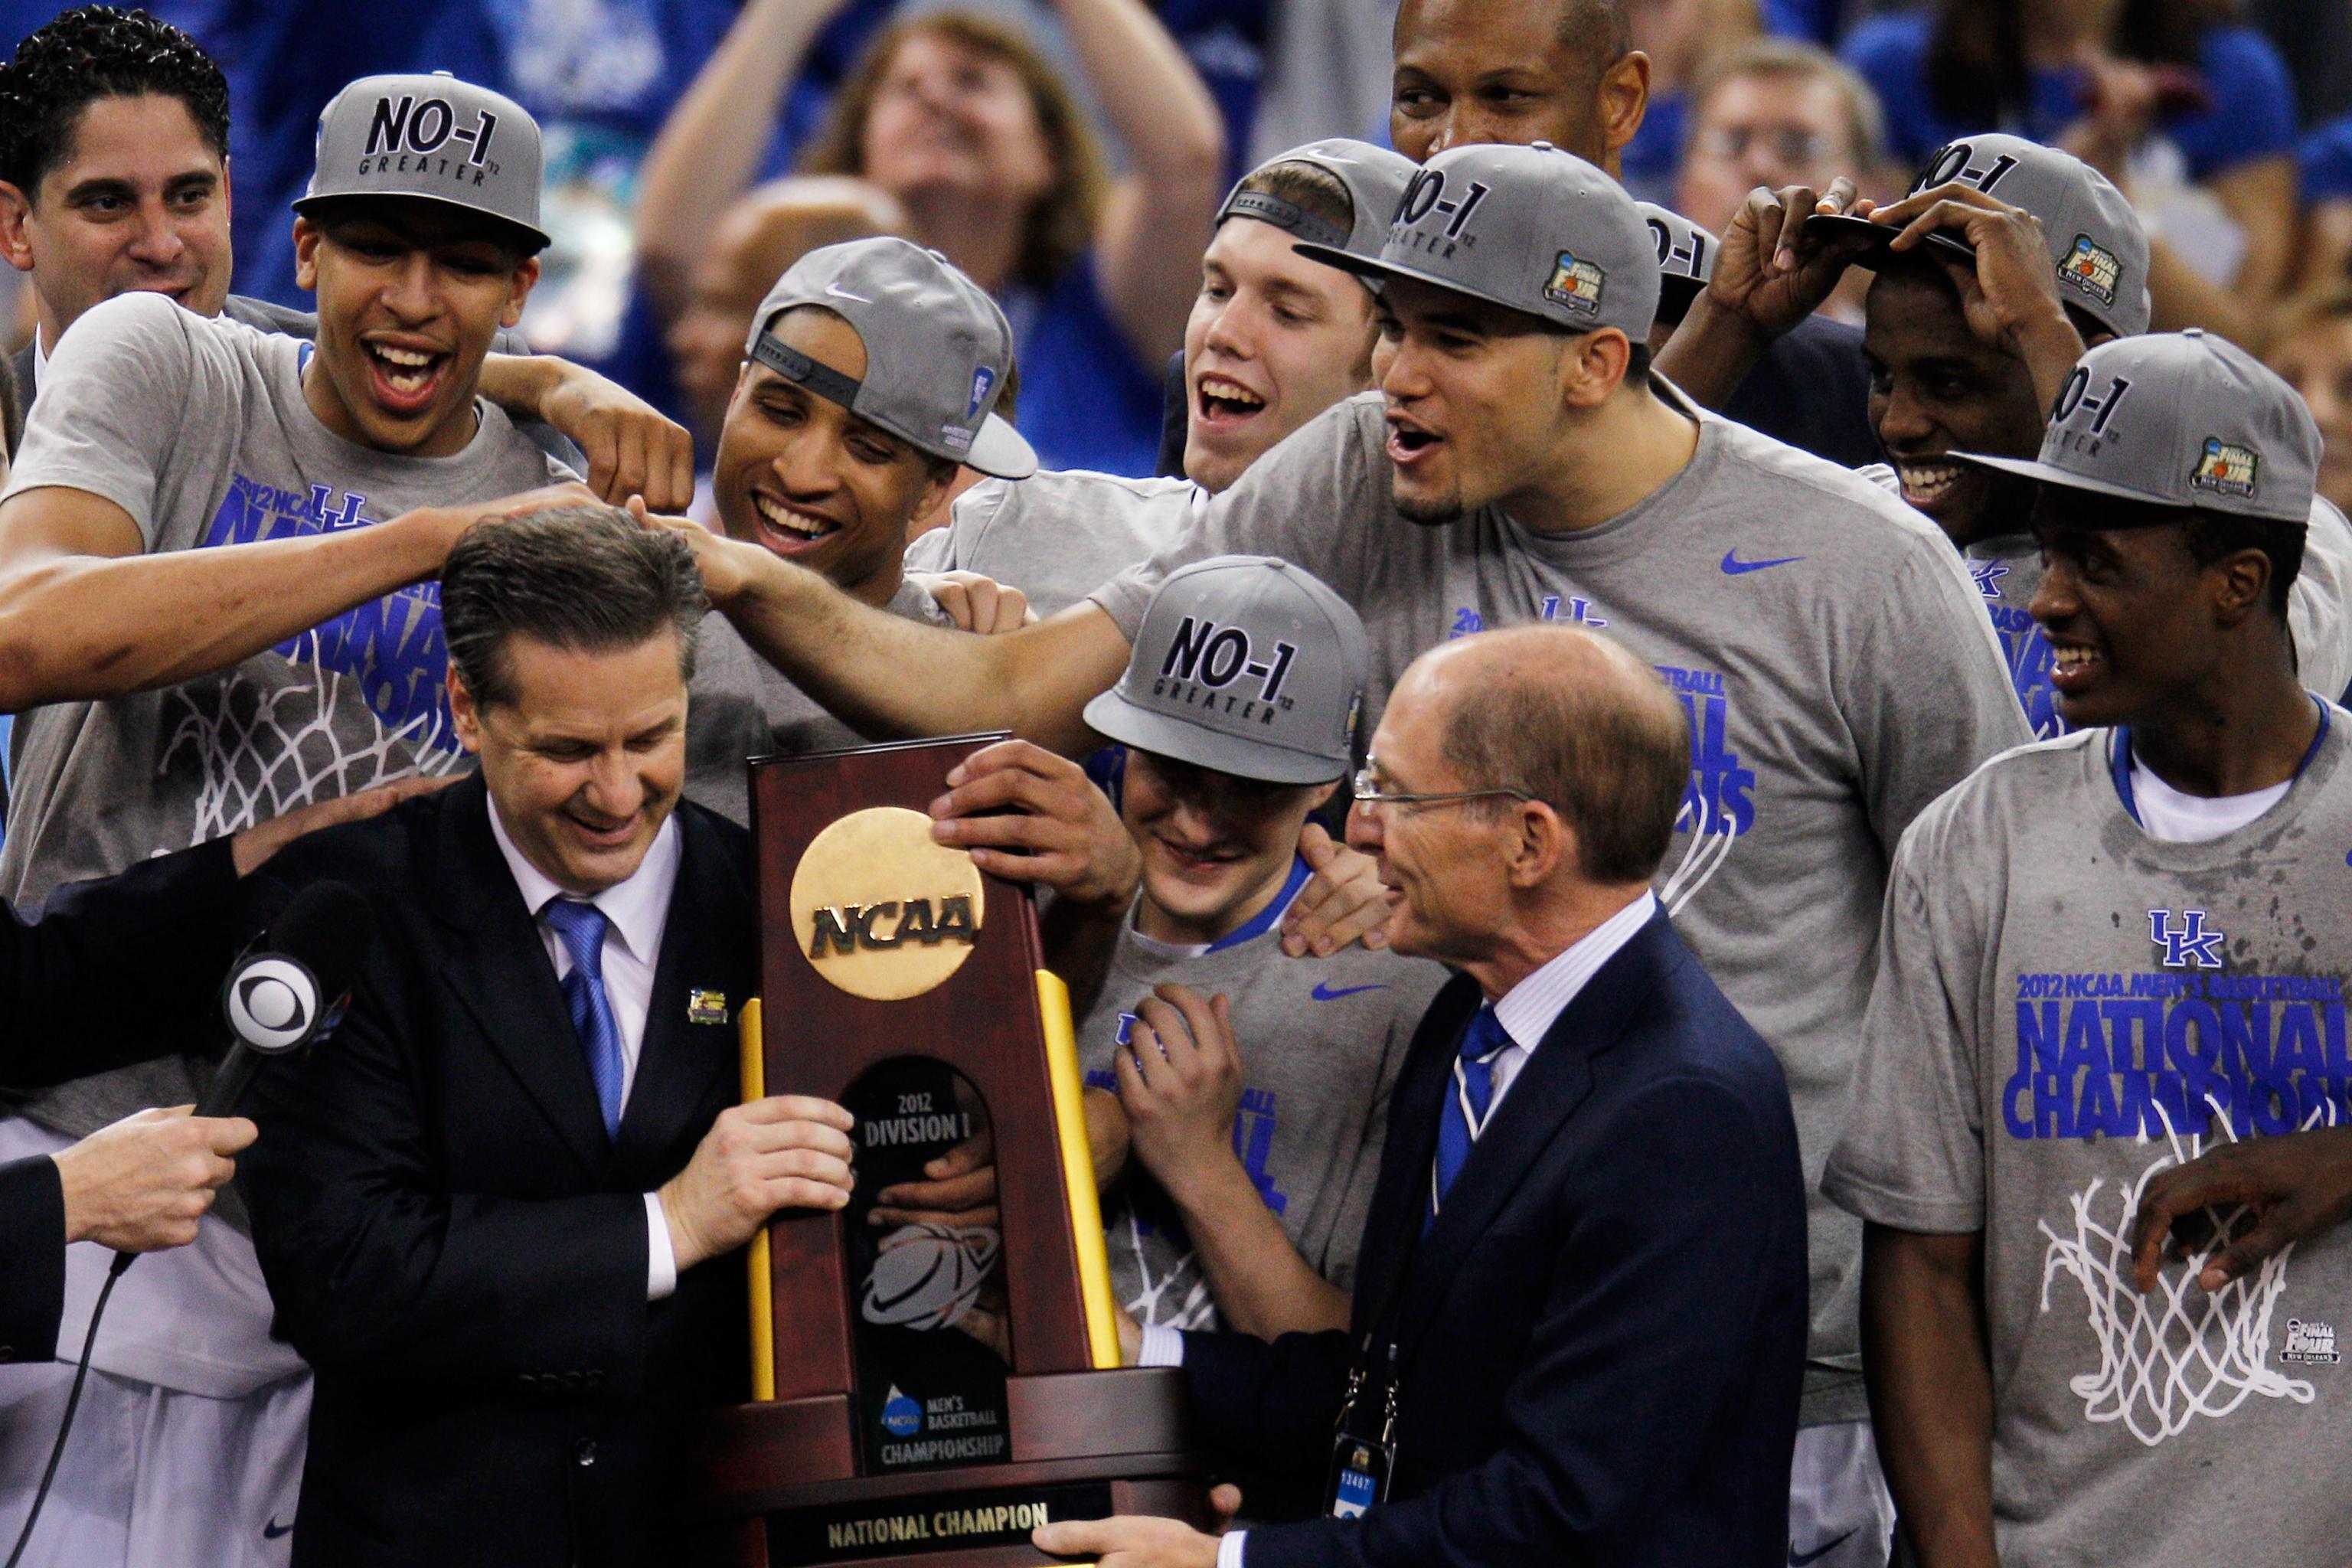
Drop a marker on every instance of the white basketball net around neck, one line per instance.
(265, 751)
(2178, 1352)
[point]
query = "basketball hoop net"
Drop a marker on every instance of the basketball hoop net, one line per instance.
(2179, 1352)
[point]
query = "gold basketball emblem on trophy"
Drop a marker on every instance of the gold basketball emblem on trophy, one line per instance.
(880, 910)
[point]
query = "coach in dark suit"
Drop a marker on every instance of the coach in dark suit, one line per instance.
(1587, 1248)
(490, 1210)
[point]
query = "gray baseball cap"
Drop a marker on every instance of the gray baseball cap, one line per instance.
(433, 138)
(936, 349)
(2179, 419)
(2096, 240)
(1686, 258)
(1246, 665)
(1375, 178)
(1531, 228)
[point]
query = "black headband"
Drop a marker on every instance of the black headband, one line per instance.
(1283, 214)
(798, 368)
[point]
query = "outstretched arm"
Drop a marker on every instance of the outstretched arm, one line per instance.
(86, 613)
(713, 141)
(886, 675)
(1170, 129)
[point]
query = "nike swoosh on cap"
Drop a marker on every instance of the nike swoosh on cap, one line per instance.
(1323, 991)
(838, 292)
(1733, 566)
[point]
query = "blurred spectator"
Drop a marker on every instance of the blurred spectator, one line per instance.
(2314, 353)
(1328, 65)
(1683, 39)
(962, 121)
(2324, 161)
(758, 240)
(2191, 113)
(1775, 112)
(2315, 38)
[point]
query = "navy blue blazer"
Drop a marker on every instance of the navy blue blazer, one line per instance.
(450, 1237)
(1600, 1338)
(115, 970)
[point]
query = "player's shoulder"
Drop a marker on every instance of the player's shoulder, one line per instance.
(1858, 511)
(139, 322)
(1387, 981)
(1056, 491)
(2036, 782)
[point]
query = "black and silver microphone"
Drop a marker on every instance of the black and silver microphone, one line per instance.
(291, 990)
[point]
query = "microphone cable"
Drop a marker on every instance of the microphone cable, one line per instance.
(73, 1400)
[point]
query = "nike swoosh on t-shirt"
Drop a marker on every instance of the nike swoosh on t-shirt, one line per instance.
(1323, 991)
(1799, 1559)
(273, 1530)
(1733, 566)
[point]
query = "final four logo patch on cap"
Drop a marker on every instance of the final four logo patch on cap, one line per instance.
(2092, 267)
(2226, 468)
(1576, 284)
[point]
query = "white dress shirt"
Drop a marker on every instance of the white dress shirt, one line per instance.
(1527, 1011)
(636, 911)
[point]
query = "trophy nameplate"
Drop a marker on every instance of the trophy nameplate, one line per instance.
(925, 1392)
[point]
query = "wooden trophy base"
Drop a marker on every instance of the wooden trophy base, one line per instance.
(773, 1485)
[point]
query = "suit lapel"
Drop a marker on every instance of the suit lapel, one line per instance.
(1550, 1090)
(498, 968)
(705, 946)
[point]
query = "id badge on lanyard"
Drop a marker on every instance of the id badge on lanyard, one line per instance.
(1364, 1445)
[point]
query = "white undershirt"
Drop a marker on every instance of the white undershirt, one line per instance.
(1527, 1011)
(2166, 813)
(637, 910)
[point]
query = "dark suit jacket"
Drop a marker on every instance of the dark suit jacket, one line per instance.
(449, 1237)
(1600, 1338)
(1812, 390)
(114, 971)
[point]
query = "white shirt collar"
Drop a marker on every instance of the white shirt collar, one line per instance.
(638, 906)
(1529, 1009)
(40, 362)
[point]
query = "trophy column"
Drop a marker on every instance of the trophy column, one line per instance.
(930, 1390)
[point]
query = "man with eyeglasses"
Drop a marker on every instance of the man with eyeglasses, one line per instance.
(1579, 1324)
(1237, 1097)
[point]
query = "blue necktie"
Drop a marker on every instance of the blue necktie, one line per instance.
(583, 927)
(1471, 1096)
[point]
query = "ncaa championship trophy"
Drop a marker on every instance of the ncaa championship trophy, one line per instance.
(887, 1428)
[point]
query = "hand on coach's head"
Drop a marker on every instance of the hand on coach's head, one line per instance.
(1548, 764)
(572, 634)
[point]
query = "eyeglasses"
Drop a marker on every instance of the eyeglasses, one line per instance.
(1790, 146)
(1366, 784)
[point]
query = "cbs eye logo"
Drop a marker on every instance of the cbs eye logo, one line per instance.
(272, 1003)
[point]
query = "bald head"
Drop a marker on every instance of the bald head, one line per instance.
(1570, 717)
(1475, 70)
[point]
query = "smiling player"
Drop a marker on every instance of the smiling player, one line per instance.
(2103, 955)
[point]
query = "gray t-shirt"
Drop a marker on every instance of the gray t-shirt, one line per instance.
(1322, 1041)
(1829, 651)
(2008, 570)
(739, 706)
(198, 429)
(2063, 1006)
(1057, 536)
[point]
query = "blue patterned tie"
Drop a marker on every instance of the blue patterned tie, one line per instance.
(1472, 1095)
(582, 927)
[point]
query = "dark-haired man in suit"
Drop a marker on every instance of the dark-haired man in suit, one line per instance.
(1580, 1305)
(486, 1212)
